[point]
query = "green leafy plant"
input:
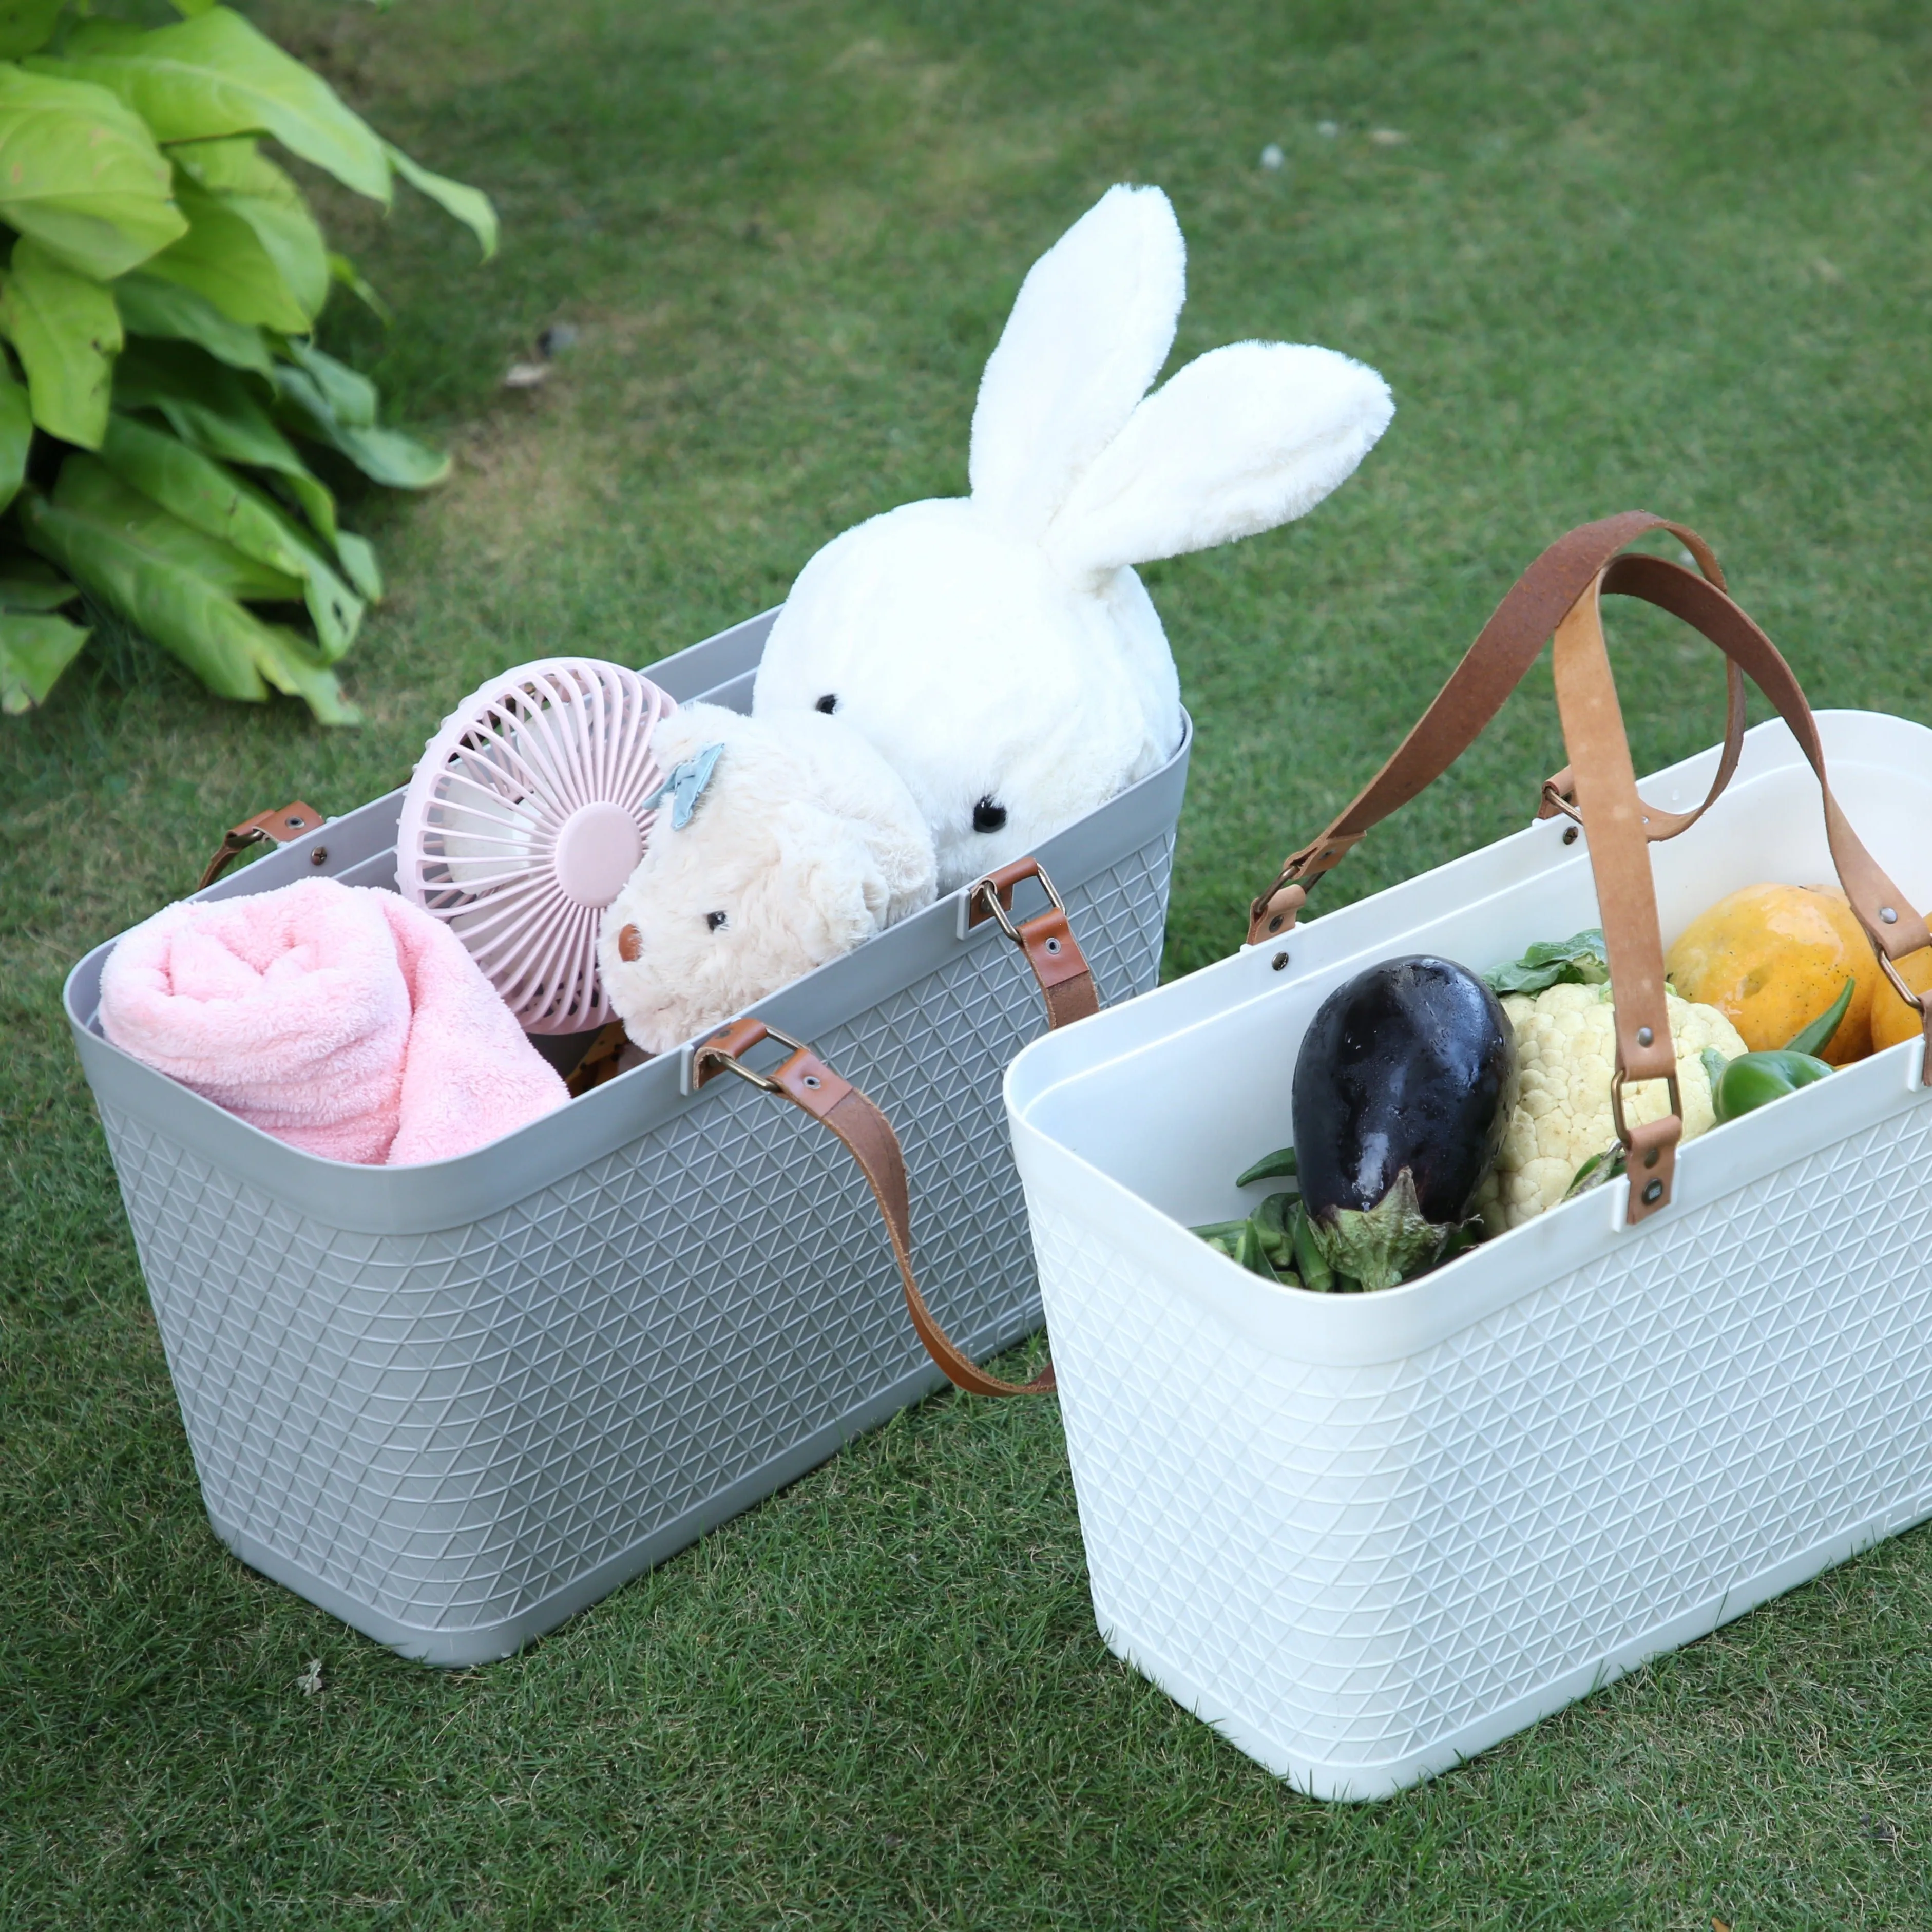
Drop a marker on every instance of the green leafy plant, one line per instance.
(161, 394)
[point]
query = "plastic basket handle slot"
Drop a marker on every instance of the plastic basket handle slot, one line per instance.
(280, 827)
(1047, 943)
(1581, 566)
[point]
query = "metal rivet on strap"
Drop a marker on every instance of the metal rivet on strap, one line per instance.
(1889, 914)
(1644, 1036)
(1053, 945)
(1653, 1193)
(1274, 924)
(811, 1080)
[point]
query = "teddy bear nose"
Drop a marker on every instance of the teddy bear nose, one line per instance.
(988, 816)
(630, 944)
(828, 703)
(716, 921)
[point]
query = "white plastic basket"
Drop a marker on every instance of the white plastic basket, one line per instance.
(1367, 1536)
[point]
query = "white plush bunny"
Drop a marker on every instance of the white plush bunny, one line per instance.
(998, 649)
(779, 843)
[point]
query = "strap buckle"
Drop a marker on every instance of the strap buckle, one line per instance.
(721, 1054)
(1916, 1001)
(279, 827)
(991, 896)
(1617, 1079)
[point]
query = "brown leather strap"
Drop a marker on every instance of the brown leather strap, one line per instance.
(1620, 826)
(1626, 895)
(1492, 667)
(1045, 940)
(1594, 736)
(291, 821)
(804, 1080)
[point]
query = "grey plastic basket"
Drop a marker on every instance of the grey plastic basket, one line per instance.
(452, 1404)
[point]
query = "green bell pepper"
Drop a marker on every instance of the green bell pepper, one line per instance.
(1754, 1078)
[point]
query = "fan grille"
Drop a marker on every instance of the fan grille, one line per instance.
(523, 820)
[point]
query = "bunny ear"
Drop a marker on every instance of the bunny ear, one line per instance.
(1241, 440)
(1090, 327)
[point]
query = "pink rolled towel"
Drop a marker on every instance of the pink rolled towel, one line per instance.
(339, 1018)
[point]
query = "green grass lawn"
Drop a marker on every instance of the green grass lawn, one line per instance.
(1656, 252)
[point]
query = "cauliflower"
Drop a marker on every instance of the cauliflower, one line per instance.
(1566, 1046)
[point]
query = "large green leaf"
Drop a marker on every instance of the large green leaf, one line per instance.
(351, 277)
(26, 583)
(216, 75)
(149, 306)
(386, 456)
(223, 257)
(349, 394)
(16, 435)
(218, 411)
(470, 206)
(81, 175)
(264, 197)
(34, 652)
(358, 559)
(67, 333)
(88, 487)
(26, 25)
(212, 498)
(230, 649)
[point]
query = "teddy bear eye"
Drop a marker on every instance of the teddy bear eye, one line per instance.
(828, 703)
(716, 921)
(988, 816)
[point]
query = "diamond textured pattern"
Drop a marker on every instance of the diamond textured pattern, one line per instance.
(1358, 1563)
(448, 1429)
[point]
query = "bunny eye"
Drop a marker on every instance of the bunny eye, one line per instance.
(828, 703)
(988, 816)
(716, 921)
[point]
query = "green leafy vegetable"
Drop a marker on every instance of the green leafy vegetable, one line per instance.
(1579, 960)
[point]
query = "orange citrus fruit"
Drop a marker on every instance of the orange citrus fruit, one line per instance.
(1772, 958)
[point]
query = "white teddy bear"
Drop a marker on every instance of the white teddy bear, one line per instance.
(998, 649)
(779, 843)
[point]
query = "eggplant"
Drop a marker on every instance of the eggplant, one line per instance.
(1402, 1091)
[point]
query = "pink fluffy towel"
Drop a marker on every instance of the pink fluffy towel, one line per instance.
(339, 1018)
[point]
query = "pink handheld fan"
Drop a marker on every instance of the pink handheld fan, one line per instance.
(525, 817)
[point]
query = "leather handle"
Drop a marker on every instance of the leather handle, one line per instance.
(812, 1087)
(287, 822)
(1045, 941)
(1065, 981)
(1492, 667)
(1621, 826)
